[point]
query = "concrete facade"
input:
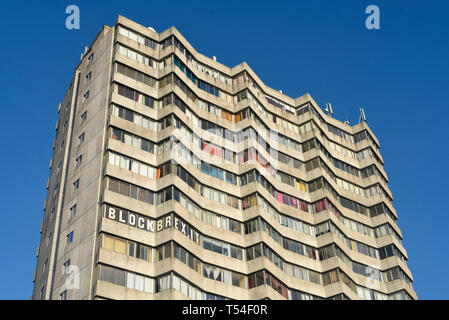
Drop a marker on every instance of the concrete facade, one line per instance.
(169, 206)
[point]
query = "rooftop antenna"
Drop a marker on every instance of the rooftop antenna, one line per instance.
(362, 115)
(328, 109)
(82, 54)
(347, 121)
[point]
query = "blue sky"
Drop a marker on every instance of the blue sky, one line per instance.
(399, 74)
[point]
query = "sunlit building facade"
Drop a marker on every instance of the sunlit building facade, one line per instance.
(176, 177)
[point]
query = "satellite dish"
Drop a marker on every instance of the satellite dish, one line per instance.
(151, 29)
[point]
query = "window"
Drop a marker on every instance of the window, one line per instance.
(73, 210)
(55, 190)
(66, 267)
(141, 77)
(79, 160)
(45, 266)
(136, 96)
(76, 184)
(85, 96)
(69, 238)
(81, 138)
(91, 58)
(49, 239)
(84, 116)
(89, 76)
(63, 295)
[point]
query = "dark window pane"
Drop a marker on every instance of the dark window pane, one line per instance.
(124, 188)
(113, 185)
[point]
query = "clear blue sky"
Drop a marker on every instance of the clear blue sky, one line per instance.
(399, 74)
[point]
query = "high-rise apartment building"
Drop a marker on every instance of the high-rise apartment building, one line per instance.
(174, 177)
